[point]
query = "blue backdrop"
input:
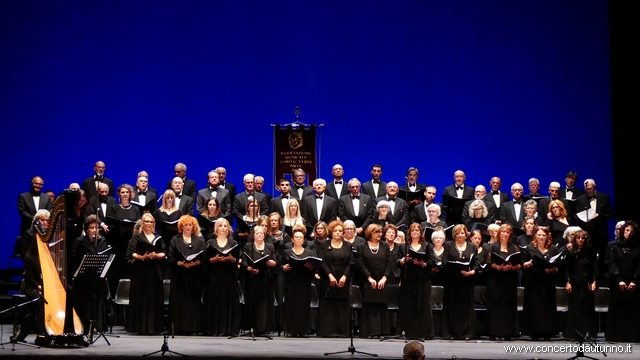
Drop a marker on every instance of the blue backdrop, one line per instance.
(509, 88)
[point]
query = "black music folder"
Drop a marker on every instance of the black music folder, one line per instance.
(453, 204)
(120, 225)
(542, 263)
(410, 195)
(149, 206)
(335, 292)
(180, 255)
(418, 254)
(448, 232)
(143, 246)
(375, 296)
(298, 264)
(460, 265)
(212, 251)
(513, 259)
(243, 226)
(206, 222)
(260, 263)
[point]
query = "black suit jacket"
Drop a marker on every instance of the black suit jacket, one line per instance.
(96, 205)
(467, 191)
(308, 190)
(223, 199)
(186, 204)
(346, 211)
(151, 199)
(419, 215)
(504, 197)
(188, 189)
(231, 188)
(576, 193)
(333, 192)
(277, 206)
(400, 210)
(89, 186)
(543, 208)
(267, 195)
(598, 227)
(328, 213)
(239, 208)
(491, 209)
(508, 214)
(27, 208)
(367, 188)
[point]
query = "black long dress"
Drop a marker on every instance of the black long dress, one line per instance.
(502, 296)
(623, 318)
(333, 311)
(165, 229)
(539, 306)
(296, 319)
(259, 295)
(480, 290)
(146, 297)
(279, 240)
(32, 279)
(186, 285)
(557, 229)
(374, 319)
(118, 238)
(84, 288)
(458, 312)
(221, 313)
(581, 270)
(394, 279)
(415, 316)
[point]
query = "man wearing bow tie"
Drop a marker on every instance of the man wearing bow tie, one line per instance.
(480, 193)
(397, 206)
(101, 202)
(90, 185)
(279, 203)
(144, 196)
(375, 187)
(320, 206)
(412, 186)
(598, 209)
(188, 185)
(460, 191)
(498, 196)
(356, 207)
(571, 191)
(149, 187)
(259, 184)
(214, 190)
(338, 187)
(534, 187)
(184, 203)
(224, 184)
(299, 190)
(512, 212)
(543, 205)
(30, 202)
(239, 208)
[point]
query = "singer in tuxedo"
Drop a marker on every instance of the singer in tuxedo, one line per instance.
(600, 211)
(570, 192)
(543, 205)
(101, 204)
(32, 201)
(534, 187)
(512, 212)
(84, 289)
(412, 185)
(419, 213)
(258, 185)
(320, 207)
(222, 174)
(239, 208)
(338, 187)
(185, 203)
(298, 189)
(356, 207)
(457, 190)
(399, 212)
(188, 186)
(90, 185)
(496, 195)
(375, 187)
(279, 203)
(143, 197)
(214, 190)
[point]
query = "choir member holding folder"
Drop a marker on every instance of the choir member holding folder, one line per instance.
(121, 218)
(298, 266)
(540, 264)
(337, 257)
(146, 303)
(581, 272)
(207, 219)
(374, 261)
(416, 263)
(167, 216)
(221, 310)
(460, 266)
(185, 257)
(502, 285)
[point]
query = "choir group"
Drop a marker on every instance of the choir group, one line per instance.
(295, 262)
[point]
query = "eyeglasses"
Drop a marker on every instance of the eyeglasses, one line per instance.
(148, 221)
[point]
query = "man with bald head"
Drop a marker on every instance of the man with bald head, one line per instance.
(258, 185)
(188, 185)
(496, 195)
(101, 203)
(397, 207)
(356, 206)
(480, 193)
(184, 202)
(337, 187)
(460, 191)
(149, 188)
(31, 201)
(90, 185)
(512, 212)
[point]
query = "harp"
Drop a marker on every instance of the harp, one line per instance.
(61, 323)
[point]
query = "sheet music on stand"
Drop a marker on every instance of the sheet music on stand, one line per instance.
(94, 264)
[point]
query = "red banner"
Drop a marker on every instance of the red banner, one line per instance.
(295, 149)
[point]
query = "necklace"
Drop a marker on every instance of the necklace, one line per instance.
(374, 250)
(126, 207)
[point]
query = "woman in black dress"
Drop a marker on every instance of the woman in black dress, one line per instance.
(478, 213)
(539, 286)
(296, 319)
(337, 257)
(390, 233)
(168, 216)
(374, 261)
(623, 262)
(581, 272)
(382, 216)
(221, 310)
(185, 257)
(260, 293)
(458, 312)
(415, 311)
(278, 238)
(559, 223)
(524, 240)
(247, 222)
(480, 283)
(433, 217)
(502, 287)
(81, 211)
(145, 254)
(84, 288)
(531, 211)
(210, 214)
(119, 235)
(320, 233)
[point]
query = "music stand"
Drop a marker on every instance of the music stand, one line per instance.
(91, 267)
(13, 340)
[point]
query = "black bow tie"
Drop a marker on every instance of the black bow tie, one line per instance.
(391, 199)
(570, 189)
(221, 183)
(319, 197)
(214, 188)
(495, 193)
(459, 187)
(376, 181)
(36, 193)
(285, 196)
(516, 202)
(338, 182)
(300, 186)
(592, 197)
(99, 178)
(355, 197)
(179, 196)
(412, 185)
(142, 193)
(103, 201)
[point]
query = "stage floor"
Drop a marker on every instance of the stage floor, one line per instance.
(133, 346)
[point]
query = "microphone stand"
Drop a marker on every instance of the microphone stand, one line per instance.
(13, 339)
(402, 300)
(580, 352)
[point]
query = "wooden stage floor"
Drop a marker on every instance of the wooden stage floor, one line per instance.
(133, 346)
